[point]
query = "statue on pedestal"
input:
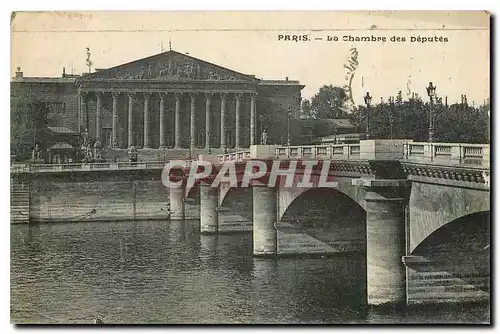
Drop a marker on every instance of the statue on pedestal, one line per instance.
(37, 154)
(264, 138)
(97, 151)
(132, 154)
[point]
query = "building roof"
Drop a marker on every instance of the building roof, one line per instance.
(61, 146)
(279, 82)
(170, 65)
(339, 136)
(61, 130)
(340, 122)
(44, 79)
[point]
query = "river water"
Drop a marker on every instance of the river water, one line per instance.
(166, 272)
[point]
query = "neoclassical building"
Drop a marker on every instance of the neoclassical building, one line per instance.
(168, 100)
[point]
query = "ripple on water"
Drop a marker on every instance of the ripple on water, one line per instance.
(163, 272)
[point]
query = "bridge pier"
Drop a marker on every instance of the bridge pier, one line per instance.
(176, 196)
(385, 202)
(265, 236)
(209, 215)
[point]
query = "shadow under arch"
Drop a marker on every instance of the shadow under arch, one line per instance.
(462, 248)
(315, 198)
(330, 216)
(238, 200)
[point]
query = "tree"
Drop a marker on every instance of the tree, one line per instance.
(328, 103)
(306, 110)
(410, 120)
(28, 126)
(463, 124)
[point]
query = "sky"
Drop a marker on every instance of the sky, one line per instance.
(248, 42)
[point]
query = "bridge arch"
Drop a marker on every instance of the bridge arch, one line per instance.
(433, 206)
(330, 217)
(469, 233)
(457, 256)
(237, 201)
(287, 195)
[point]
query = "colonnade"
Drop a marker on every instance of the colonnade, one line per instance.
(146, 98)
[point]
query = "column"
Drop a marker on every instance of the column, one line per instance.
(162, 120)
(177, 120)
(209, 216)
(130, 110)
(237, 128)
(146, 120)
(385, 240)
(86, 114)
(223, 120)
(208, 102)
(114, 124)
(192, 133)
(98, 116)
(252, 118)
(176, 196)
(83, 110)
(265, 236)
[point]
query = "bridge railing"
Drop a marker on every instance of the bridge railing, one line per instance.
(332, 152)
(448, 153)
(235, 156)
(77, 167)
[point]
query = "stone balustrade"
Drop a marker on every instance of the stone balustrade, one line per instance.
(382, 149)
(81, 167)
(448, 153)
(365, 150)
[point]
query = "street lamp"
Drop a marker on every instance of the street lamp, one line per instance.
(391, 116)
(431, 91)
(368, 101)
(226, 143)
(209, 136)
(289, 114)
(261, 121)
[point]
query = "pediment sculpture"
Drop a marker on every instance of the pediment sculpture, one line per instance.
(174, 70)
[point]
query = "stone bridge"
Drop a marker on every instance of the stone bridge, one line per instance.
(420, 211)
(421, 204)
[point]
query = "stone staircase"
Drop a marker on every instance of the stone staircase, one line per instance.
(19, 201)
(442, 286)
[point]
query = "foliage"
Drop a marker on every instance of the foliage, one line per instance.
(329, 102)
(28, 126)
(410, 119)
(306, 110)
(275, 122)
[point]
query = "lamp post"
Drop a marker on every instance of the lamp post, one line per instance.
(227, 140)
(289, 115)
(368, 101)
(431, 91)
(391, 116)
(209, 138)
(261, 118)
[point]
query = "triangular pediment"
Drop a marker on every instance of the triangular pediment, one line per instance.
(170, 66)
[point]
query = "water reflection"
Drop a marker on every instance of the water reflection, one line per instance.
(208, 247)
(166, 272)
